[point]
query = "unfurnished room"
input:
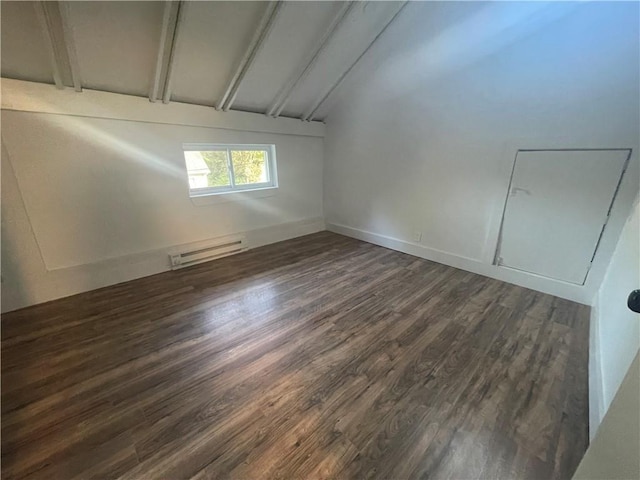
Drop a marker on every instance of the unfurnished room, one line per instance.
(320, 240)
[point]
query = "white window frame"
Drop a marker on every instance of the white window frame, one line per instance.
(270, 154)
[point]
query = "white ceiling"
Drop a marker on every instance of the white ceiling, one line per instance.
(282, 58)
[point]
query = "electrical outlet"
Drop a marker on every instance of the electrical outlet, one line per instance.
(417, 236)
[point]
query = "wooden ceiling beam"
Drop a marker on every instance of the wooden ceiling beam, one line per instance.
(261, 33)
(175, 42)
(166, 35)
(70, 46)
(283, 96)
(311, 111)
(45, 26)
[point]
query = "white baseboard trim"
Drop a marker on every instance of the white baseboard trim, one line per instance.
(54, 284)
(596, 385)
(278, 233)
(568, 291)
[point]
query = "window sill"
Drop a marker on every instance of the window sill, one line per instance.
(237, 196)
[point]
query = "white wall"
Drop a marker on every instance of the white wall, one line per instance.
(88, 202)
(613, 452)
(424, 134)
(615, 330)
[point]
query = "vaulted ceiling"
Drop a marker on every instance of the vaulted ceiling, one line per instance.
(276, 58)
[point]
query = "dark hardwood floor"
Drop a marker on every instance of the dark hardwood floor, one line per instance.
(319, 357)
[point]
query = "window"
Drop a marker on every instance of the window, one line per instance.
(214, 169)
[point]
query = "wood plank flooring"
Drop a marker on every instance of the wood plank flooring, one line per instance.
(319, 357)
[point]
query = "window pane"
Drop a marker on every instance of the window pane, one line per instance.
(207, 169)
(249, 166)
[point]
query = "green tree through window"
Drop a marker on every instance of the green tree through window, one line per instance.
(223, 168)
(217, 163)
(249, 166)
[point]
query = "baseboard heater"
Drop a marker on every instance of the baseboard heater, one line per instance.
(206, 253)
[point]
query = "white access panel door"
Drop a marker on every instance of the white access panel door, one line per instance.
(557, 207)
